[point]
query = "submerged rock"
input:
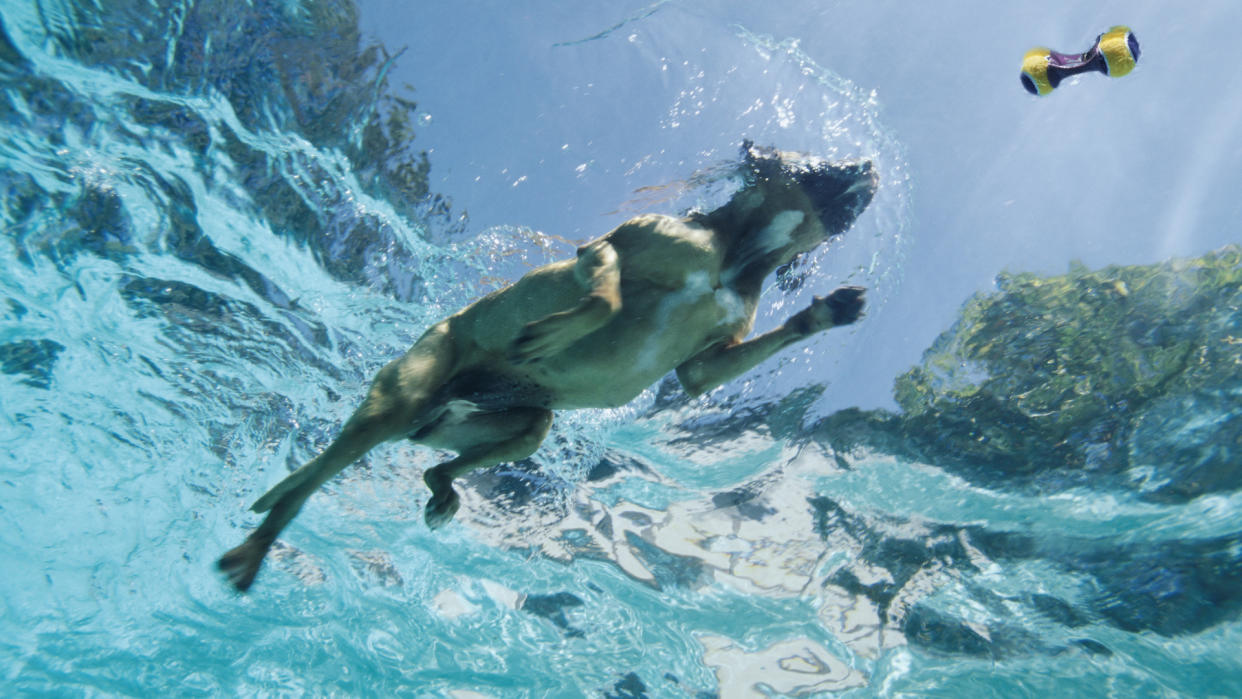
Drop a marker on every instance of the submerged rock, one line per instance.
(1124, 375)
(1121, 379)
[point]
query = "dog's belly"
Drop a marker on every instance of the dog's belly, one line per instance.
(493, 389)
(654, 331)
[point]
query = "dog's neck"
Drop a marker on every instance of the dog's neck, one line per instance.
(759, 235)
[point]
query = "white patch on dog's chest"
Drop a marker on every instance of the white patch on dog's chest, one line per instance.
(730, 304)
(776, 234)
(697, 286)
(726, 307)
(760, 244)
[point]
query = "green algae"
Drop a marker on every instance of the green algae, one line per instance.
(1054, 376)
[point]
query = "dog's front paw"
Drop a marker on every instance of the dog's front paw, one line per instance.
(847, 304)
(842, 307)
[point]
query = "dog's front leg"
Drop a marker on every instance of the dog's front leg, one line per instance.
(598, 271)
(722, 362)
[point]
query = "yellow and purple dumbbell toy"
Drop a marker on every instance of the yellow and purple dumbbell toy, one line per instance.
(1115, 53)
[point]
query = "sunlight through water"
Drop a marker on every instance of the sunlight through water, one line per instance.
(221, 219)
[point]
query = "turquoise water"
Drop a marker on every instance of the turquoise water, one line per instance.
(217, 229)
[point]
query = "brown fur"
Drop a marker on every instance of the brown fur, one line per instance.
(656, 294)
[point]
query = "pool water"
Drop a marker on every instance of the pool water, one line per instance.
(220, 219)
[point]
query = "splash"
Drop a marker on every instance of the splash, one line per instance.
(642, 14)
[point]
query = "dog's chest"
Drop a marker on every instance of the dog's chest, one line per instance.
(710, 306)
(684, 317)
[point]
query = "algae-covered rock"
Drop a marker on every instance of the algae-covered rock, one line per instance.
(1124, 378)
(1082, 375)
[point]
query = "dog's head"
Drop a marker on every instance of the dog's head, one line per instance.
(836, 192)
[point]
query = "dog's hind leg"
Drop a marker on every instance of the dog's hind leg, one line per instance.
(399, 402)
(482, 440)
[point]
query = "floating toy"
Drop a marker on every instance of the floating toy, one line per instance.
(1115, 53)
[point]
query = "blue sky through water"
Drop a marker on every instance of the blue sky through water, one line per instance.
(1104, 171)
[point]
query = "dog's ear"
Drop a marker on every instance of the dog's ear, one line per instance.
(759, 163)
(746, 150)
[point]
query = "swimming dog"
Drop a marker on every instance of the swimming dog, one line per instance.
(656, 294)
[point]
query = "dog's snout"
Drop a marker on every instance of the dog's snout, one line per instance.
(840, 191)
(854, 179)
